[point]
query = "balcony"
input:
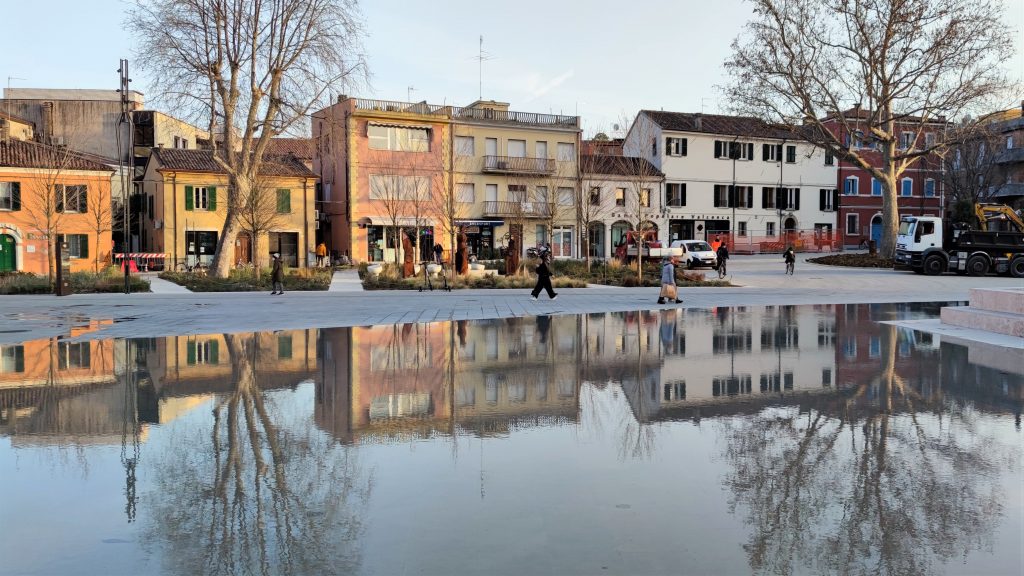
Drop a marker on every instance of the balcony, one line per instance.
(494, 208)
(518, 165)
(511, 117)
(1011, 156)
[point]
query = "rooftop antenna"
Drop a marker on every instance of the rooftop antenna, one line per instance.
(702, 100)
(481, 56)
(408, 93)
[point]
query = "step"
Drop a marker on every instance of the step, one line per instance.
(1009, 300)
(998, 322)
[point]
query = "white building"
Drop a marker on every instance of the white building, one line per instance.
(619, 193)
(741, 176)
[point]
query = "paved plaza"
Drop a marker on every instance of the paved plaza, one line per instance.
(760, 281)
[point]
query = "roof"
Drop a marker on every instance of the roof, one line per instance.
(864, 114)
(190, 160)
(618, 165)
(717, 124)
(17, 119)
(25, 154)
(301, 148)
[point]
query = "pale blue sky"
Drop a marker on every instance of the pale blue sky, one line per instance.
(602, 59)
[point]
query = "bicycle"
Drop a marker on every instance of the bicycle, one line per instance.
(722, 269)
(790, 268)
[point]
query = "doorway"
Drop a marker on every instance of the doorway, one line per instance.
(243, 248)
(8, 262)
(876, 228)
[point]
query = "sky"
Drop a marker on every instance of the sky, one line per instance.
(600, 59)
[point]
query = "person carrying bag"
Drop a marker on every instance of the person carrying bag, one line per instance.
(668, 282)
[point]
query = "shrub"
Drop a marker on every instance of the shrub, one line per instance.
(854, 260)
(108, 280)
(496, 282)
(300, 279)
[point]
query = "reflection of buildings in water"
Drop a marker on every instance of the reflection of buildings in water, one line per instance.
(414, 380)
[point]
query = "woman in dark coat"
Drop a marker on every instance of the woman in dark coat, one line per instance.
(277, 275)
(544, 277)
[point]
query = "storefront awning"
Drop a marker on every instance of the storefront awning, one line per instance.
(480, 222)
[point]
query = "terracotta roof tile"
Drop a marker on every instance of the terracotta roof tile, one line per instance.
(26, 154)
(301, 148)
(717, 124)
(189, 160)
(613, 164)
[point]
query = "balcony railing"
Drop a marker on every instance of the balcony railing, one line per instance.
(1011, 156)
(407, 107)
(518, 165)
(466, 113)
(516, 209)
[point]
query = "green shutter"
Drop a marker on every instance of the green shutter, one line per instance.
(19, 358)
(284, 201)
(190, 353)
(214, 352)
(211, 192)
(188, 198)
(15, 196)
(83, 245)
(284, 347)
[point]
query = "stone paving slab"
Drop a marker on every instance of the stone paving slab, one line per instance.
(346, 281)
(160, 286)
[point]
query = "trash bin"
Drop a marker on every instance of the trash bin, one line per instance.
(872, 247)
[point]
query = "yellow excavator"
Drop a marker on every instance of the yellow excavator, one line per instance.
(998, 218)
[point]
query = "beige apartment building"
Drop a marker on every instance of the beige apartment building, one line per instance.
(388, 165)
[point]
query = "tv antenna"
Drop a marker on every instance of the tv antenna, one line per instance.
(408, 93)
(481, 56)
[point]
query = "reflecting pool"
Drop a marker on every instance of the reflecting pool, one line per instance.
(767, 440)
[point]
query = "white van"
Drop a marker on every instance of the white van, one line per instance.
(696, 253)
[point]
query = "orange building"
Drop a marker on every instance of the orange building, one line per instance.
(52, 193)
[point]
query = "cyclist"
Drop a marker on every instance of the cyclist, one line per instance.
(790, 257)
(723, 256)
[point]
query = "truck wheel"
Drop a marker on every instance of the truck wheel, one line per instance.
(977, 265)
(1017, 266)
(934, 265)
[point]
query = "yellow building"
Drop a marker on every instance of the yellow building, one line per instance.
(185, 208)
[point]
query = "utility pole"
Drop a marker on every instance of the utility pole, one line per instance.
(126, 167)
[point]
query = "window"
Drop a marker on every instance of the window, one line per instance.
(906, 187)
(645, 197)
(876, 187)
(71, 355)
(1009, 142)
(767, 197)
(620, 196)
(675, 146)
(201, 244)
(10, 196)
(466, 193)
(721, 196)
(830, 159)
(654, 146)
(595, 196)
(852, 225)
(150, 206)
(906, 140)
(929, 188)
(284, 201)
(734, 150)
(78, 244)
(744, 197)
(491, 146)
(825, 196)
(565, 197)
(850, 186)
(542, 194)
(929, 140)
(12, 359)
(769, 229)
(517, 148)
(826, 376)
(398, 139)
(491, 192)
(771, 152)
(394, 187)
(741, 228)
(675, 194)
(790, 154)
(201, 198)
(284, 346)
(465, 146)
(566, 151)
(542, 149)
(202, 352)
(71, 198)
(517, 192)
(792, 197)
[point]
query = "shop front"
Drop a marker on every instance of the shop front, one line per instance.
(480, 236)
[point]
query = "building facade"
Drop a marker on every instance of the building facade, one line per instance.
(390, 165)
(185, 195)
(738, 178)
(620, 193)
(49, 192)
(1009, 173)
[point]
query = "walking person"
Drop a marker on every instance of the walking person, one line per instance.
(790, 257)
(722, 254)
(321, 253)
(544, 277)
(668, 282)
(277, 275)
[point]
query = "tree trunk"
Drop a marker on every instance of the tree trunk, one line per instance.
(221, 266)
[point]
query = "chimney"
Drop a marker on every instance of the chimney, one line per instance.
(47, 121)
(698, 122)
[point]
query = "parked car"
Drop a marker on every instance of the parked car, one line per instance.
(696, 253)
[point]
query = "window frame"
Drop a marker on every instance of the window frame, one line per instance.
(876, 183)
(790, 154)
(856, 224)
(855, 187)
(904, 192)
(460, 190)
(461, 146)
(928, 181)
(620, 196)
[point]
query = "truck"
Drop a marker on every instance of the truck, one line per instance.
(926, 245)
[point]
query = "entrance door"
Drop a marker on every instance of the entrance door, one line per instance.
(243, 249)
(876, 228)
(7, 255)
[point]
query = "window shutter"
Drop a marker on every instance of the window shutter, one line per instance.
(19, 358)
(684, 147)
(214, 352)
(778, 152)
(211, 195)
(668, 146)
(188, 198)
(83, 200)
(83, 245)
(731, 201)
(190, 347)
(796, 199)
(718, 148)
(750, 196)
(284, 201)
(764, 197)
(780, 198)
(15, 196)
(682, 192)
(822, 200)
(835, 200)
(750, 151)
(764, 152)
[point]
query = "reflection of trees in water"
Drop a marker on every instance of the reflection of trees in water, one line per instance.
(878, 481)
(259, 495)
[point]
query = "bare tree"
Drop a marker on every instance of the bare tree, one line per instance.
(968, 167)
(444, 202)
(250, 70)
(592, 206)
(98, 207)
(399, 188)
(259, 211)
(903, 65)
(550, 196)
